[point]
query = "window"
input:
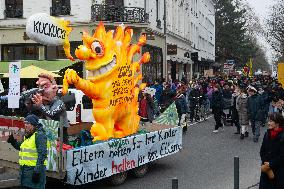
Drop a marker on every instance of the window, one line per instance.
(20, 52)
(57, 52)
(157, 10)
(87, 102)
(154, 68)
(14, 8)
(118, 3)
(60, 7)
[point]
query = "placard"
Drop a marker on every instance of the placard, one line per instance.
(98, 161)
(1, 87)
(208, 73)
(14, 84)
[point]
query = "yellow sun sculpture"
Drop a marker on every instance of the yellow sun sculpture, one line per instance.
(111, 81)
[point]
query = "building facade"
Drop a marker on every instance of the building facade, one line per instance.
(189, 28)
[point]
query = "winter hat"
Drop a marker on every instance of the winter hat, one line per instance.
(251, 88)
(33, 119)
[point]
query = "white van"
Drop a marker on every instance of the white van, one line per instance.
(78, 106)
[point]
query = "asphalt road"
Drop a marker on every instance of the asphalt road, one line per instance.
(206, 162)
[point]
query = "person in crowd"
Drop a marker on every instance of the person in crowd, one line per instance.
(49, 104)
(24, 88)
(146, 107)
(217, 107)
(32, 153)
(242, 108)
(193, 99)
(181, 107)
(272, 154)
(255, 112)
(227, 98)
(263, 92)
(167, 97)
(159, 89)
(280, 91)
(209, 95)
(235, 112)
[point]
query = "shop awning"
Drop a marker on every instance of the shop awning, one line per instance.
(179, 59)
(32, 72)
(49, 65)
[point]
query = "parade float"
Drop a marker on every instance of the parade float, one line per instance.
(113, 82)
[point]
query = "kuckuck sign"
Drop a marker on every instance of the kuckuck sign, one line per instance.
(91, 163)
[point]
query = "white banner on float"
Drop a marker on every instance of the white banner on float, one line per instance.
(91, 163)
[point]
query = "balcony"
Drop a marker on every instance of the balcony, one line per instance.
(13, 13)
(60, 10)
(119, 14)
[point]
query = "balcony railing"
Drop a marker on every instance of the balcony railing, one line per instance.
(118, 14)
(60, 10)
(13, 13)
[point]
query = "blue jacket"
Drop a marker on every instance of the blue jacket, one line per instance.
(159, 90)
(181, 105)
(256, 109)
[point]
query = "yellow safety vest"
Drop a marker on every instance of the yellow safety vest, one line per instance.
(28, 153)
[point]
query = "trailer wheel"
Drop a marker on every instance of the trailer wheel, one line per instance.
(118, 179)
(140, 171)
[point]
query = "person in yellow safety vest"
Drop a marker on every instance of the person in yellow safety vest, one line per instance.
(32, 153)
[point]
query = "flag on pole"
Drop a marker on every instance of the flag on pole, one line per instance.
(169, 116)
(250, 68)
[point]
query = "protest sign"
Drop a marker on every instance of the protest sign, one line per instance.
(1, 87)
(91, 163)
(14, 84)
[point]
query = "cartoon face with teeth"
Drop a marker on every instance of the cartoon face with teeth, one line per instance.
(111, 80)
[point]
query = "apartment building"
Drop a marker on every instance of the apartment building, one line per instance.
(190, 28)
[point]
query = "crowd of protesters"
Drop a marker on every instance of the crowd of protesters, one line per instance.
(245, 101)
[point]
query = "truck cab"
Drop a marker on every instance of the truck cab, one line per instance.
(78, 106)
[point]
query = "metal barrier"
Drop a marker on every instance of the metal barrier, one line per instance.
(174, 183)
(236, 172)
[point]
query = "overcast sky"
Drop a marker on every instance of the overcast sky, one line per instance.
(261, 6)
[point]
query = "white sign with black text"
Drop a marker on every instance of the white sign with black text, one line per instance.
(91, 163)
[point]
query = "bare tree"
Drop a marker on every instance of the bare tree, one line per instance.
(275, 27)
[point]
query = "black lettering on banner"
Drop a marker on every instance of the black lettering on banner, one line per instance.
(41, 27)
(45, 29)
(167, 134)
(119, 152)
(152, 155)
(36, 26)
(57, 32)
(74, 163)
(141, 159)
(49, 30)
(167, 148)
(77, 176)
(63, 34)
(150, 139)
(136, 143)
(89, 176)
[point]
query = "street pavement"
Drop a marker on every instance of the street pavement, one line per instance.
(206, 162)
